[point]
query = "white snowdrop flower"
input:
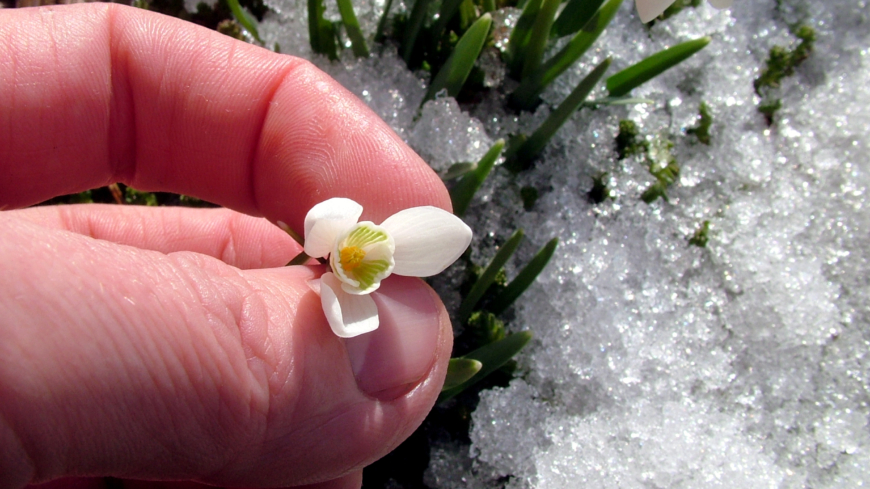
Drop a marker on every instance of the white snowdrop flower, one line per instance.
(650, 9)
(416, 242)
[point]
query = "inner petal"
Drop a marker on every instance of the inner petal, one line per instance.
(363, 257)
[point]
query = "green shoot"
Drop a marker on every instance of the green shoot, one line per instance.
(459, 371)
(321, 32)
(413, 28)
(526, 95)
(245, 19)
(382, 24)
(300, 259)
(464, 190)
(467, 14)
(522, 156)
(626, 80)
(447, 11)
(534, 52)
(293, 234)
(455, 71)
(489, 275)
(492, 357)
(520, 36)
(574, 16)
(523, 279)
(351, 26)
(456, 170)
(614, 101)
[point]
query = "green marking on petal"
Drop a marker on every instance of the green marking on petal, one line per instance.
(363, 257)
(367, 272)
(364, 236)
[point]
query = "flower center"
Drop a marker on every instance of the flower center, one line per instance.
(351, 257)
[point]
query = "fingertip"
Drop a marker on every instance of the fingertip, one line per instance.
(328, 143)
(412, 343)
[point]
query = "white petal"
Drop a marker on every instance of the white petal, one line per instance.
(650, 9)
(326, 221)
(720, 4)
(348, 315)
(428, 240)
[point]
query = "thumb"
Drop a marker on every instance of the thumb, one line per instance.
(133, 363)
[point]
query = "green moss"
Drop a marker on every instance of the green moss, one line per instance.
(85, 197)
(529, 196)
(137, 197)
(700, 237)
(705, 121)
(663, 166)
(231, 28)
(782, 63)
(628, 142)
(656, 153)
(769, 109)
(599, 191)
(484, 328)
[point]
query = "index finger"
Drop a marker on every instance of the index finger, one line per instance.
(94, 93)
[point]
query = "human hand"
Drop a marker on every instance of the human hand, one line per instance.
(169, 343)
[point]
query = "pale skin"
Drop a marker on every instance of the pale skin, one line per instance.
(171, 344)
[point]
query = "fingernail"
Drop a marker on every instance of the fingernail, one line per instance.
(394, 358)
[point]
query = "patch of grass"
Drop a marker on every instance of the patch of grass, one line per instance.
(628, 142)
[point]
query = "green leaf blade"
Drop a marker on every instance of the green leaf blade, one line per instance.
(447, 11)
(529, 149)
(492, 356)
(489, 274)
(459, 371)
(539, 36)
(351, 26)
(524, 279)
(321, 33)
(574, 16)
(526, 95)
(415, 24)
(455, 71)
(626, 80)
(382, 23)
(519, 37)
(244, 19)
(464, 190)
